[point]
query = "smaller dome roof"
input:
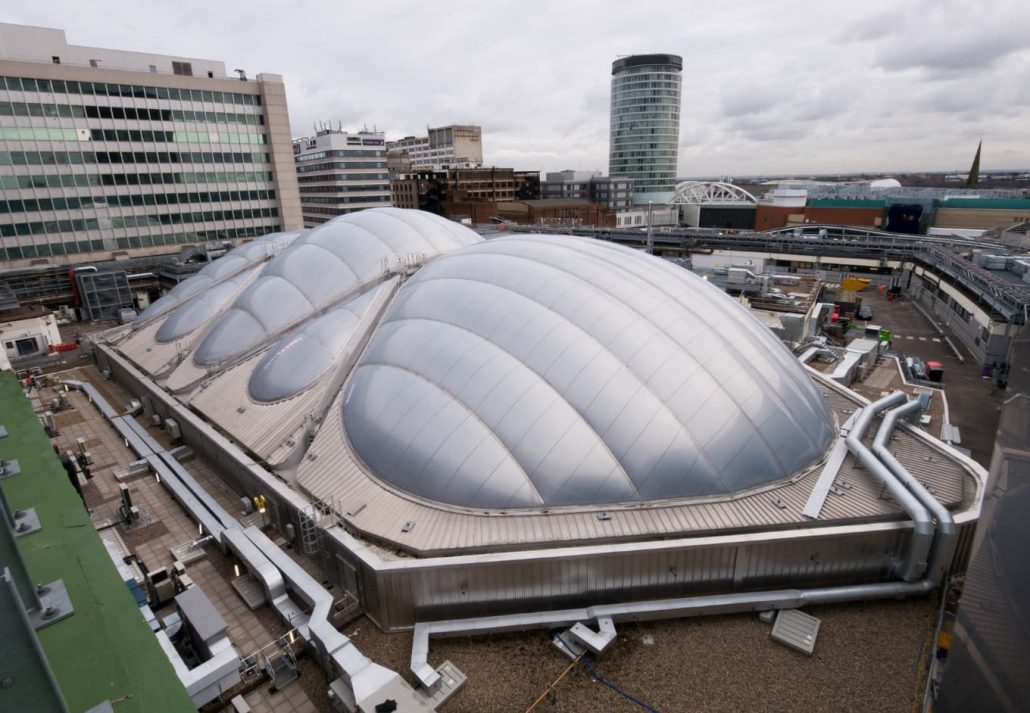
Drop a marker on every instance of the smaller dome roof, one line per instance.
(233, 261)
(298, 359)
(342, 257)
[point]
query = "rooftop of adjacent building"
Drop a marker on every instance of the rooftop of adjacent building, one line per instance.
(20, 312)
(105, 650)
(43, 44)
(327, 138)
(471, 131)
(97, 591)
(647, 60)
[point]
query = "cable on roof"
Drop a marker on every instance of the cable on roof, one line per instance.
(594, 675)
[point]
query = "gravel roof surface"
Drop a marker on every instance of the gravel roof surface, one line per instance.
(868, 657)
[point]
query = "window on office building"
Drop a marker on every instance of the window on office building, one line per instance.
(182, 68)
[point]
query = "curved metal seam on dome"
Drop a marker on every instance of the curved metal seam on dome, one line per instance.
(489, 430)
(249, 263)
(325, 249)
(787, 411)
(291, 285)
(640, 435)
(334, 362)
(426, 223)
(807, 401)
(798, 387)
(371, 234)
(334, 356)
(637, 377)
(586, 335)
(417, 228)
(696, 290)
(410, 227)
(238, 279)
(488, 434)
(778, 354)
(228, 361)
(543, 379)
(470, 414)
(517, 364)
(559, 396)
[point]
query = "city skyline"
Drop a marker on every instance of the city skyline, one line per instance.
(795, 88)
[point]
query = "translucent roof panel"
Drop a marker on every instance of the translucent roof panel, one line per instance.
(297, 360)
(601, 374)
(195, 312)
(330, 262)
(233, 261)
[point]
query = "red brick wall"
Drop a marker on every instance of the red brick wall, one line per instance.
(844, 216)
(769, 217)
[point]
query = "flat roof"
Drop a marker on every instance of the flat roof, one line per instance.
(551, 202)
(105, 650)
(643, 60)
(23, 312)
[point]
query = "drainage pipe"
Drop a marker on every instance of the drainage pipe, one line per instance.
(913, 565)
(947, 534)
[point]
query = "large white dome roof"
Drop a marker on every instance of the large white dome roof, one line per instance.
(537, 371)
(526, 371)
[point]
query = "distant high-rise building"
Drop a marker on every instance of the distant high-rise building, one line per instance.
(612, 192)
(567, 184)
(454, 146)
(645, 124)
(106, 153)
(340, 173)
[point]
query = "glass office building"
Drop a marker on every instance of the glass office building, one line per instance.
(106, 153)
(645, 121)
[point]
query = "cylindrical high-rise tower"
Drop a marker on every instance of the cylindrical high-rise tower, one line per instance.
(645, 124)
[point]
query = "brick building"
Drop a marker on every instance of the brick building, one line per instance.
(556, 211)
(429, 190)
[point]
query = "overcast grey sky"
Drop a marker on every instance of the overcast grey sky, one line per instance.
(790, 86)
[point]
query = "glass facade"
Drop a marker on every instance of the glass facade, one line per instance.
(645, 119)
(95, 166)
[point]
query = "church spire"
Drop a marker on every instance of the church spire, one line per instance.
(974, 171)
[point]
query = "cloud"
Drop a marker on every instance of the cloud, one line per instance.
(964, 55)
(793, 86)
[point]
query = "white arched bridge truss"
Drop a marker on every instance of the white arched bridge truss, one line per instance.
(712, 192)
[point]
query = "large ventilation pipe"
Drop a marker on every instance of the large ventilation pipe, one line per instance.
(947, 535)
(651, 611)
(272, 567)
(895, 478)
(914, 564)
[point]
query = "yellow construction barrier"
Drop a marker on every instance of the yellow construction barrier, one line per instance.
(855, 283)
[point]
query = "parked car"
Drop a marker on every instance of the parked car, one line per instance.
(916, 367)
(865, 312)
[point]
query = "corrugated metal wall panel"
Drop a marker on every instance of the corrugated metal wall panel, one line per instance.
(399, 592)
(510, 586)
(336, 476)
